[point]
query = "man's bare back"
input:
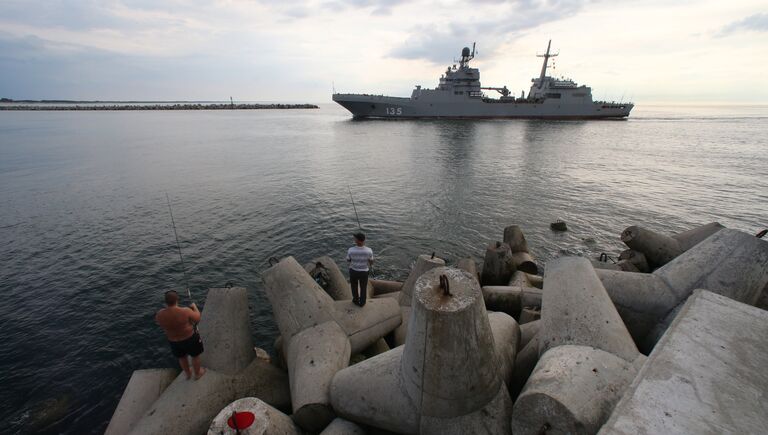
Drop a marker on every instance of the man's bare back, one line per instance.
(177, 321)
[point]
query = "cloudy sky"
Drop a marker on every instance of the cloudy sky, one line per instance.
(297, 50)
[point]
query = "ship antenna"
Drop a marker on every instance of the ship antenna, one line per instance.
(472, 56)
(546, 57)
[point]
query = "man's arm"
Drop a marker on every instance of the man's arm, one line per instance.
(195, 316)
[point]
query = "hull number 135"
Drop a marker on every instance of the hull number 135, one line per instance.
(394, 110)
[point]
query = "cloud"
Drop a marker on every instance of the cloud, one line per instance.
(439, 43)
(756, 22)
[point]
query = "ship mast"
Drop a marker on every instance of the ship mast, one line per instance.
(546, 57)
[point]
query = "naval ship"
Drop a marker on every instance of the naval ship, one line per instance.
(460, 95)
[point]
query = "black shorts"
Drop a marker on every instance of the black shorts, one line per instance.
(192, 346)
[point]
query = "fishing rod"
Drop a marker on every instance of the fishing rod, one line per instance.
(353, 206)
(357, 218)
(178, 246)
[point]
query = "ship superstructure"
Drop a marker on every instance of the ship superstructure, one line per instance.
(459, 94)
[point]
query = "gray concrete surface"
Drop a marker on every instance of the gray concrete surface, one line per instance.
(573, 389)
(338, 287)
(506, 340)
(444, 380)
(382, 287)
(658, 248)
(144, 387)
(528, 331)
(314, 356)
(689, 239)
(423, 263)
(366, 325)
(469, 265)
(525, 361)
(319, 335)
(707, 375)
(731, 263)
(497, 265)
(188, 406)
(225, 329)
(339, 426)
(267, 421)
(577, 310)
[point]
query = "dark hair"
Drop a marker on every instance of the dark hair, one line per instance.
(171, 297)
(360, 236)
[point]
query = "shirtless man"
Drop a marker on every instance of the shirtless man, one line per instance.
(177, 322)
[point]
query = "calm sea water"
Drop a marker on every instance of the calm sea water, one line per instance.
(86, 246)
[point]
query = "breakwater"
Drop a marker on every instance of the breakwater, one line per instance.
(180, 106)
(492, 348)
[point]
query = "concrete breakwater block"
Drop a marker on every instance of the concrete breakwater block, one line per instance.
(521, 259)
(340, 426)
(469, 265)
(188, 406)
(423, 264)
(525, 361)
(251, 416)
(506, 339)
(384, 287)
(497, 265)
(446, 378)
(731, 263)
(577, 310)
(319, 335)
(689, 239)
(706, 375)
(660, 249)
(511, 299)
(337, 286)
(144, 387)
(528, 331)
(225, 330)
(573, 389)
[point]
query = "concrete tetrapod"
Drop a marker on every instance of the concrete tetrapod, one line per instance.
(706, 375)
(513, 297)
(188, 406)
(577, 310)
(660, 249)
(572, 390)
(423, 263)
(521, 257)
(342, 427)
(144, 387)
(338, 287)
(251, 416)
(319, 335)
(731, 263)
(446, 379)
(497, 265)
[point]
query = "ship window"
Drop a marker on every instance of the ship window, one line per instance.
(552, 95)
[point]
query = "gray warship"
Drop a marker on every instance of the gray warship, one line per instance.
(460, 95)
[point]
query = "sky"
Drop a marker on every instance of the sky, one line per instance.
(682, 51)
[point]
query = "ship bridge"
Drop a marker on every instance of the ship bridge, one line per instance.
(459, 81)
(546, 87)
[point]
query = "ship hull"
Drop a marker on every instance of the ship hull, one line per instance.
(384, 107)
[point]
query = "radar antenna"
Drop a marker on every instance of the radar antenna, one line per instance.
(466, 56)
(546, 57)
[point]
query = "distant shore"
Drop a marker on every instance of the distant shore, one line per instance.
(129, 106)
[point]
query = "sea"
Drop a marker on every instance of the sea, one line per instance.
(87, 247)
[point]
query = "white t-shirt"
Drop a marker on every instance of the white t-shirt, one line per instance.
(358, 257)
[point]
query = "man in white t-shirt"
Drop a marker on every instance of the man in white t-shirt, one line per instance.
(360, 258)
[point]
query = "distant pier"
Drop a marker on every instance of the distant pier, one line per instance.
(167, 106)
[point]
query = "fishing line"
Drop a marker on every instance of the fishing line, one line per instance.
(178, 246)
